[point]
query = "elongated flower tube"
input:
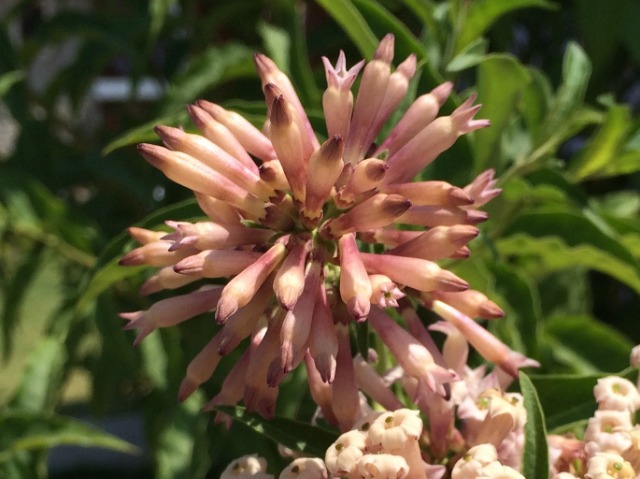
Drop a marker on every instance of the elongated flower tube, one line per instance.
(305, 232)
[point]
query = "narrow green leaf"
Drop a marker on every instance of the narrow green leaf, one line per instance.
(481, 14)
(596, 345)
(353, 23)
(277, 44)
(144, 133)
(299, 436)
(380, 17)
(602, 150)
(501, 78)
(211, 68)
(535, 457)
(14, 294)
(566, 398)
(576, 71)
(27, 431)
(562, 239)
(470, 56)
(40, 385)
(175, 454)
(9, 79)
(158, 10)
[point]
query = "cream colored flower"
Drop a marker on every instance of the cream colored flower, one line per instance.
(470, 465)
(620, 394)
(247, 467)
(383, 466)
(343, 455)
(605, 465)
(305, 468)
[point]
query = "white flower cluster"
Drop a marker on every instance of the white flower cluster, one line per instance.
(611, 445)
(384, 446)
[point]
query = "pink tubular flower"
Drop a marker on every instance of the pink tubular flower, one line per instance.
(306, 233)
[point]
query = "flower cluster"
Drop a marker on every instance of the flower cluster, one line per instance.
(610, 448)
(384, 446)
(314, 236)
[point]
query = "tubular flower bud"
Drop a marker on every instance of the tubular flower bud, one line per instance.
(345, 393)
(355, 287)
(373, 87)
(337, 100)
(437, 242)
(325, 166)
(283, 233)
(172, 311)
(216, 158)
(470, 302)
(372, 384)
(220, 135)
(379, 210)
(421, 112)
(323, 341)
(241, 289)
(436, 137)
(423, 193)
(289, 281)
(419, 274)
(248, 135)
(490, 347)
(195, 175)
(495, 470)
(165, 278)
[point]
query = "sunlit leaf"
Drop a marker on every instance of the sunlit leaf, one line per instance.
(559, 240)
(535, 457)
(500, 80)
(481, 14)
(470, 56)
(566, 398)
(9, 79)
(576, 71)
(277, 45)
(587, 345)
(28, 431)
(602, 152)
(159, 10)
(353, 23)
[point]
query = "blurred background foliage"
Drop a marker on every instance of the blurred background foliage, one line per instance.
(82, 81)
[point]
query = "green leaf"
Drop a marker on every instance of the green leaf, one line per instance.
(353, 23)
(566, 398)
(534, 101)
(159, 9)
(470, 56)
(299, 436)
(277, 44)
(602, 151)
(9, 79)
(560, 239)
(576, 71)
(14, 294)
(26, 431)
(175, 453)
(41, 381)
(144, 133)
(501, 78)
(535, 457)
(481, 14)
(211, 68)
(589, 346)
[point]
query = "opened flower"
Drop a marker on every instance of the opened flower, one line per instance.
(307, 233)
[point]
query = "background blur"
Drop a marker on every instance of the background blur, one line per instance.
(81, 82)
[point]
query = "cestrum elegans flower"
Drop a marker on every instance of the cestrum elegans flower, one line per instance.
(306, 232)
